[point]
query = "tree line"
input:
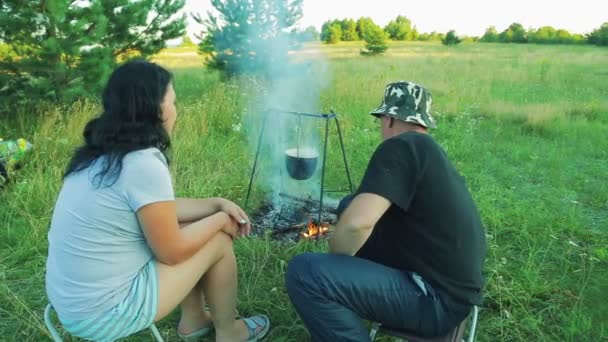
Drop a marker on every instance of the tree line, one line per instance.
(402, 29)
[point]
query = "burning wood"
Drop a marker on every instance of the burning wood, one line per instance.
(313, 230)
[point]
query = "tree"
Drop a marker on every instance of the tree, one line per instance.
(451, 39)
(413, 35)
(310, 34)
(364, 26)
(544, 35)
(141, 26)
(65, 50)
(490, 36)
(599, 36)
(248, 36)
(331, 32)
(349, 30)
(400, 29)
(335, 34)
(187, 41)
(375, 39)
(431, 36)
(515, 33)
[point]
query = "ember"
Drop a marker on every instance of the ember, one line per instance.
(312, 230)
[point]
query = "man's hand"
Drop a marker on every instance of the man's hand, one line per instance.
(237, 214)
(357, 222)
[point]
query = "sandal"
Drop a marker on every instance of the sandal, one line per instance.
(253, 323)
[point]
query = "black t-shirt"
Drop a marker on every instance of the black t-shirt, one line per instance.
(432, 226)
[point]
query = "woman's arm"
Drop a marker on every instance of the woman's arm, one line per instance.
(192, 209)
(172, 245)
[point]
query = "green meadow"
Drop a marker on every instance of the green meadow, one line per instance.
(526, 125)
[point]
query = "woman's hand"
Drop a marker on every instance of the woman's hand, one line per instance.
(230, 226)
(237, 214)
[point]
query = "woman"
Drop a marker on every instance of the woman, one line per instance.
(123, 252)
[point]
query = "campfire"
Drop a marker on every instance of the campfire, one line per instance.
(313, 230)
(291, 213)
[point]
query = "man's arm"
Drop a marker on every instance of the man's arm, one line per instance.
(357, 222)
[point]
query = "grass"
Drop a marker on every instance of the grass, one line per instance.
(525, 124)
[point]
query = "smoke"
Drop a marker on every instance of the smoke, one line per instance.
(292, 82)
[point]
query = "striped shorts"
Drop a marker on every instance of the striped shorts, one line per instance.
(135, 313)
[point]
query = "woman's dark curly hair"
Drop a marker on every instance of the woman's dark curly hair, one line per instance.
(131, 120)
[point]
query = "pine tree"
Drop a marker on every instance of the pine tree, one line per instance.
(451, 39)
(65, 50)
(248, 36)
(48, 39)
(375, 39)
(141, 27)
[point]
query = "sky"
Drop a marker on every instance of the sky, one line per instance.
(467, 17)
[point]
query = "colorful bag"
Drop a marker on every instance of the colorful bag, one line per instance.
(12, 155)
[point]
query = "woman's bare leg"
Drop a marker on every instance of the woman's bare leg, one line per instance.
(216, 265)
(193, 316)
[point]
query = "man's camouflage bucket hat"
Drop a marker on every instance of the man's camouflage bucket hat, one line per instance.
(407, 101)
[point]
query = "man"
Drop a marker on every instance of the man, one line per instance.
(408, 250)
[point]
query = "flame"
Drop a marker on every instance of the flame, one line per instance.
(312, 230)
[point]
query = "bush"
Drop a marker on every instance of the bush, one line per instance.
(451, 39)
(375, 39)
(249, 36)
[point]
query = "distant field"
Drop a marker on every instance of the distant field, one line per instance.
(527, 126)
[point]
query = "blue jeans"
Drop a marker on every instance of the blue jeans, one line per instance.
(333, 294)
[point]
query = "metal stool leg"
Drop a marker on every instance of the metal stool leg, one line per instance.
(473, 324)
(49, 324)
(374, 331)
(156, 333)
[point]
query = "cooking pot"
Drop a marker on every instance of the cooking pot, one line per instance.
(301, 162)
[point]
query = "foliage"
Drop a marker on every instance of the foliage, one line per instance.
(401, 29)
(490, 36)
(248, 36)
(331, 32)
(515, 33)
(187, 41)
(310, 34)
(451, 39)
(376, 41)
(349, 30)
(599, 36)
(433, 36)
(65, 50)
(549, 35)
(364, 26)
